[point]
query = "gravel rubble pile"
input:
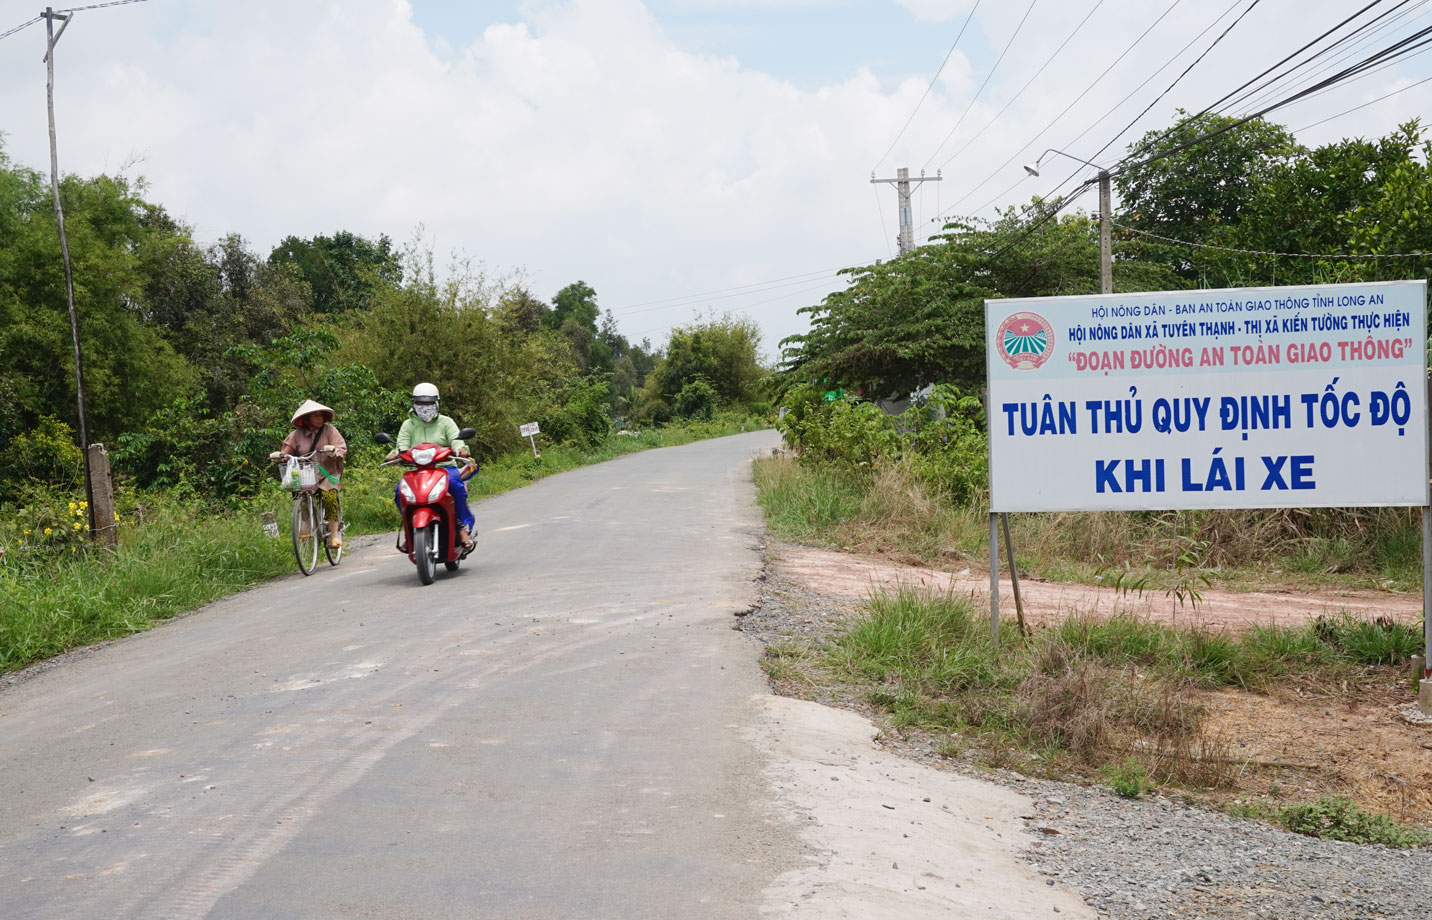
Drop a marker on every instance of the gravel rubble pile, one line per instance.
(1166, 858)
(1157, 857)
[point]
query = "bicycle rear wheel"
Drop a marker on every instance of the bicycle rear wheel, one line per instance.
(335, 554)
(305, 533)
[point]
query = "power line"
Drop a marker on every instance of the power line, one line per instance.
(73, 9)
(98, 6)
(1387, 57)
(23, 25)
(1362, 76)
(1097, 80)
(1292, 69)
(1288, 255)
(1184, 128)
(1390, 53)
(987, 78)
(1120, 104)
(675, 301)
(1283, 83)
(1366, 104)
(697, 299)
(936, 77)
(1012, 99)
(1212, 45)
(884, 230)
(1019, 235)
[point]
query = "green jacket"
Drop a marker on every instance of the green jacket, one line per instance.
(441, 431)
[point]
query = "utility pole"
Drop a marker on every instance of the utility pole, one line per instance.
(53, 37)
(901, 182)
(1106, 234)
(1106, 218)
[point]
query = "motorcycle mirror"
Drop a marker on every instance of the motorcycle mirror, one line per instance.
(381, 438)
(465, 434)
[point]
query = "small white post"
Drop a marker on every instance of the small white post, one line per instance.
(530, 432)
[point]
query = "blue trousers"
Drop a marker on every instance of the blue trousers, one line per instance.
(458, 488)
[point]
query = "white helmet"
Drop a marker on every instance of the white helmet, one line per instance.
(425, 393)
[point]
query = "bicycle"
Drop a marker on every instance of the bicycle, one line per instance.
(309, 522)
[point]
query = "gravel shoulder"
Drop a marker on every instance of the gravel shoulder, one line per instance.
(1126, 860)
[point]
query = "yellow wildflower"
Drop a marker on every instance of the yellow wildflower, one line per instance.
(77, 527)
(72, 506)
(116, 516)
(48, 531)
(84, 504)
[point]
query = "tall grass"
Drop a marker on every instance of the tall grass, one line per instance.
(888, 508)
(1086, 691)
(175, 562)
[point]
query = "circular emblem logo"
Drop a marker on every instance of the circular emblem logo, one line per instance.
(1025, 341)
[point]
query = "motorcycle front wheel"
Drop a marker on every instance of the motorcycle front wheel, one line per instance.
(424, 547)
(305, 533)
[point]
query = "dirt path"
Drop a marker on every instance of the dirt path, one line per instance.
(853, 576)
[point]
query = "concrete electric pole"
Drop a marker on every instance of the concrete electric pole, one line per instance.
(907, 218)
(52, 38)
(1106, 218)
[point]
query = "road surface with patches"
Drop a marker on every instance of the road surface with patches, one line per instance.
(553, 731)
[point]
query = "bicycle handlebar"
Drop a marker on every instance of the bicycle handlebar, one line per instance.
(279, 456)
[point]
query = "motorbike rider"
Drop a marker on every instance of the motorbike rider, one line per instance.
(424, 424)
(313, 430)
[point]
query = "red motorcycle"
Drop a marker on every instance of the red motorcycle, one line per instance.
(430, 524)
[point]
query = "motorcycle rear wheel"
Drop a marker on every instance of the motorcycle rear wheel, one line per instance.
(424, 546)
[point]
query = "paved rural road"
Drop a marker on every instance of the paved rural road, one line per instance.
(560, 730)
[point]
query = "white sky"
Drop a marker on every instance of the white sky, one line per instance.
(657, 151)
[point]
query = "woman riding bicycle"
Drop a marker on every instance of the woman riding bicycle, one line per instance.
(313, 431)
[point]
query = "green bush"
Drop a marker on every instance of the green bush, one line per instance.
(697, 401)
(1337, 817)
(940, 437)
(48, 455)
(579, 418)
(1129, 779)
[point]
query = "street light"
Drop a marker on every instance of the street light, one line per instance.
(1106, 245)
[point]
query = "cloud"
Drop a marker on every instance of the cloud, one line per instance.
(580, 140)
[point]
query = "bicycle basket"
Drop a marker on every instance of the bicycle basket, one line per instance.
(299, 476)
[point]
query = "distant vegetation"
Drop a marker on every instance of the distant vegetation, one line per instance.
(196, 355)
(1239, 209)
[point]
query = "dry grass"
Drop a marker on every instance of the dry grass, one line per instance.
(890, 511)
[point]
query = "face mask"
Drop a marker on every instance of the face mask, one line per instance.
(427, 412)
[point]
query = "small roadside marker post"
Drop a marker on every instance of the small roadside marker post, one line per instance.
(530, 432)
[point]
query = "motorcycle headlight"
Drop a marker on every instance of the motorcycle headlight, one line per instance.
(425, 456)
(439, 487)
(406, 491)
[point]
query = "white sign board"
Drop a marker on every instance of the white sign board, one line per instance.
(529, 429)
(1237, 398)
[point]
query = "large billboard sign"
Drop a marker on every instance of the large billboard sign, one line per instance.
(1237, 398)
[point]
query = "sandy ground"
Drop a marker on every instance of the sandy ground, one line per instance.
(897, 840)
(854, 576)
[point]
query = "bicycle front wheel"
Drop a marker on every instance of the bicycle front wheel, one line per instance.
(305, 533)
(335, 554)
